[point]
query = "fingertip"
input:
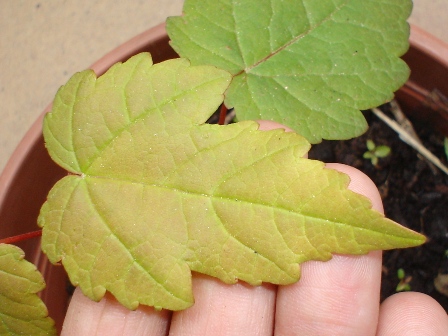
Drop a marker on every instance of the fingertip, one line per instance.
(412, 313)
(267, 125)
(331, 293)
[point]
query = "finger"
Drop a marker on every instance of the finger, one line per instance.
(412, 314)
(108, 317)
(337, 297)
(267, 125)
(221, 309)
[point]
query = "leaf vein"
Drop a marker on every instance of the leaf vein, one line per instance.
(149, 111)
(241, 243)
(296, 38)
(133, 258)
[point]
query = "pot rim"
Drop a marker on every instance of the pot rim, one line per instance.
(429, 44)
(31, 137)
(419, 39)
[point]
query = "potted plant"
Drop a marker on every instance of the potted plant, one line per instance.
(163, 41)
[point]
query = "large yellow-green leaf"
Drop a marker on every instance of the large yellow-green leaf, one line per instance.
(154, 193)
(22, 312)
(308, 64)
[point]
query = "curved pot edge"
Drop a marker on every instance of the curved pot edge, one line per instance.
(429, 44)
(419, 38)
(31, 137)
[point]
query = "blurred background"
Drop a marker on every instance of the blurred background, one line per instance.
(42, 43)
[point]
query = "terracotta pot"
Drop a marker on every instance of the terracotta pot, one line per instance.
(30, 173)
(428, 60)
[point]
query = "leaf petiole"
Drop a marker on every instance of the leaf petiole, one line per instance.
(222, 114)
(21, 237)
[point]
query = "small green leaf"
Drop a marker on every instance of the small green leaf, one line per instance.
(311, 65)
(404, 284)
(154, 193)
(22, 312)
(374, 152)
(370, 145)
(382, 151)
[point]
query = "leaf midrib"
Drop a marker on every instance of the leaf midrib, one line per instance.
(145, 114)
(293, 40)
(231, 199)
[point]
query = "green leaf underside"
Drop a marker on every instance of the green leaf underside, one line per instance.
(21, 311)
(311, 65)
(155, 193)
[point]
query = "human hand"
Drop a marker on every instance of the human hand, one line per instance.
(337, 297)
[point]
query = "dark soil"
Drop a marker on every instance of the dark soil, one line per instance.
(414, 194)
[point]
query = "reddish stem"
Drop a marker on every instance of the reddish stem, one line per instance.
(222, 115)
(21, 237)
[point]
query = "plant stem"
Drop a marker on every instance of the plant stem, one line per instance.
(222, 115)
(21, 237)
(410, 140)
